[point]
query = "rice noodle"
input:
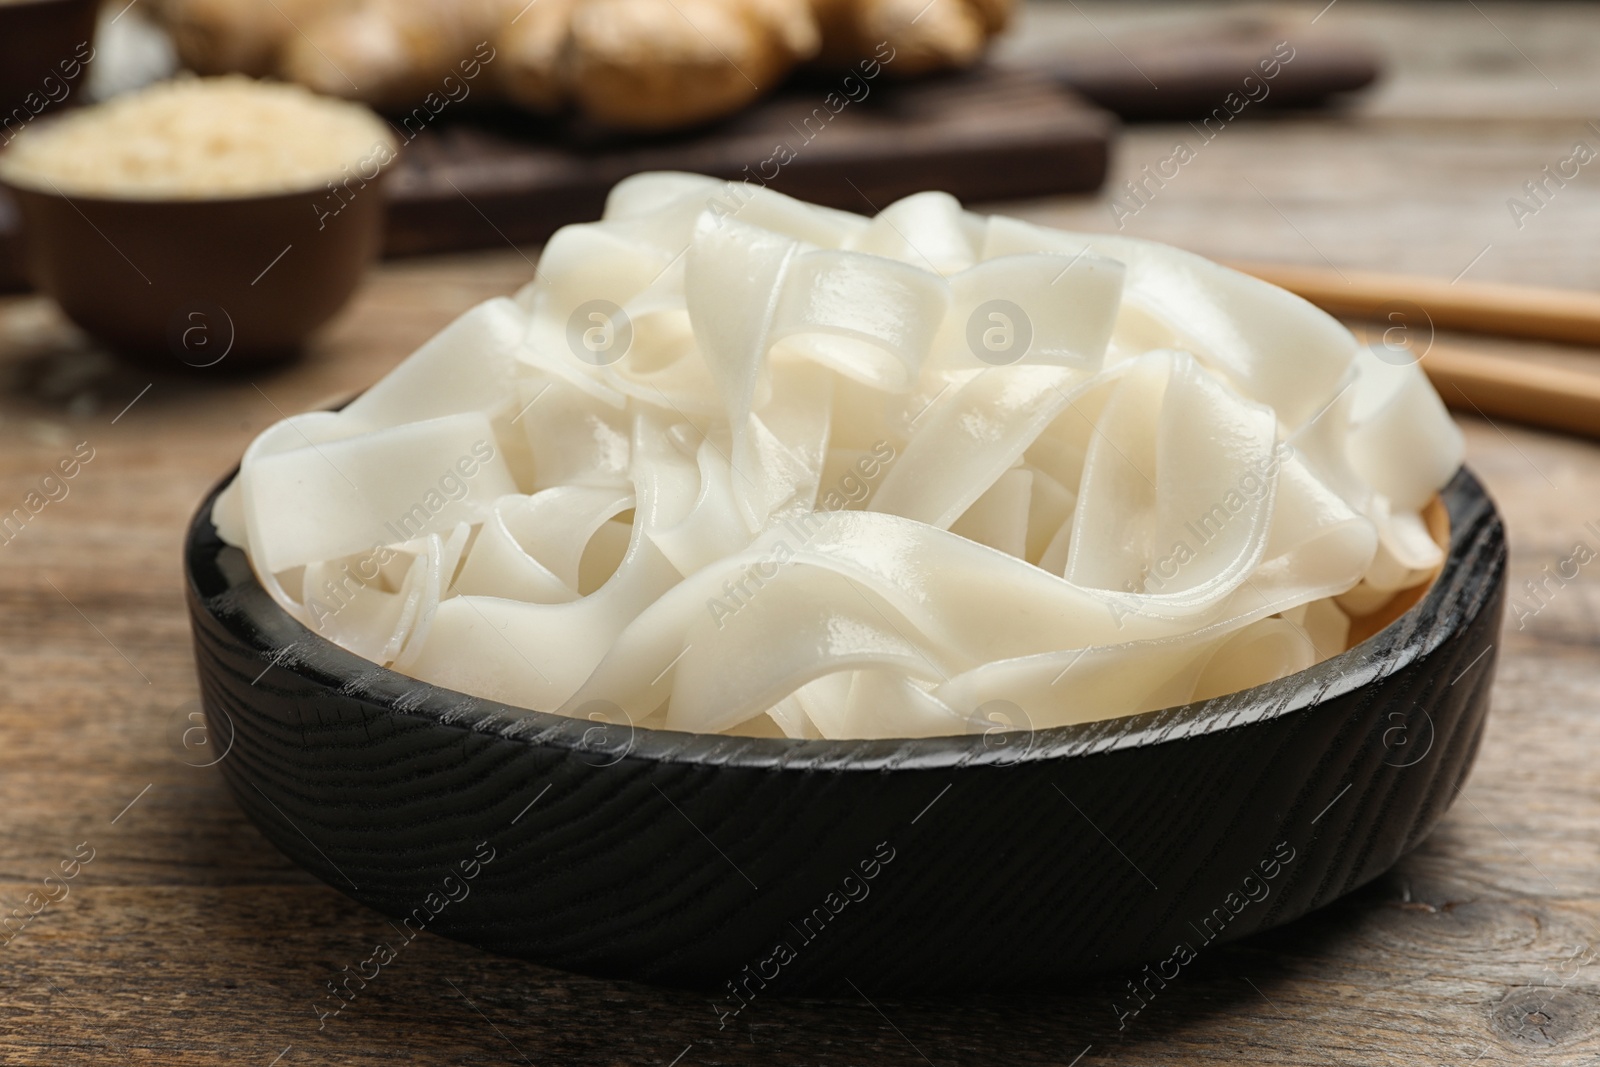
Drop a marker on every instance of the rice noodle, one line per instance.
(800, 494)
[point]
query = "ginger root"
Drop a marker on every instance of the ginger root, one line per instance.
(631, 64)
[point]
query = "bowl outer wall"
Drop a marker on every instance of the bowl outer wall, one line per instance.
(1018, 860)
(130, 271)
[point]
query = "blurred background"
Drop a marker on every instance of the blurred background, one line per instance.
(1449, 142)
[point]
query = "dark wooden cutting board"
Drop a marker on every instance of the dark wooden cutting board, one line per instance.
(986, 134)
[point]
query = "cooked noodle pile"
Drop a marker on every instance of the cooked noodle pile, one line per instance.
(736, 463)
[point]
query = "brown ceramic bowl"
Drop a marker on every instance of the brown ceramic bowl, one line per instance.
(44, 47)
(192, 282)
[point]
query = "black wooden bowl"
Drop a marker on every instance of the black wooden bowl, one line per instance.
(749, 866)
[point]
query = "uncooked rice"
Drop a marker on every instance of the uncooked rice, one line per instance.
(200, 138)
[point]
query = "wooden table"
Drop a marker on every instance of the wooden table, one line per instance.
(188, 939)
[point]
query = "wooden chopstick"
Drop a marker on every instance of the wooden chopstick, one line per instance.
(1566, 315)
(1534, 393)
(1473, 382)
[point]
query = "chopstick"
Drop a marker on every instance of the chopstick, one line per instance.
(1534, 393)
(1566, 315)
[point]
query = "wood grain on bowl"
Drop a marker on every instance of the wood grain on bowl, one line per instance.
(751, 866)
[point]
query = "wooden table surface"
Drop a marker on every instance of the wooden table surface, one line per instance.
(188, 939)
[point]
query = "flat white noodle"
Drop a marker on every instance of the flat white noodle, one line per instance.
(468, 367)
(927, 473)
(859, 315)
(530, 547)
(945, 241)
(381, 487)
(1073, 301)
(1270, 344)
(971, 434)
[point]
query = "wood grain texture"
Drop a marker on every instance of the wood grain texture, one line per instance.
(190, 939)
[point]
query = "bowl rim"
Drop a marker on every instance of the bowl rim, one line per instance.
(50, 117)
(318, 660)
(168, 202)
